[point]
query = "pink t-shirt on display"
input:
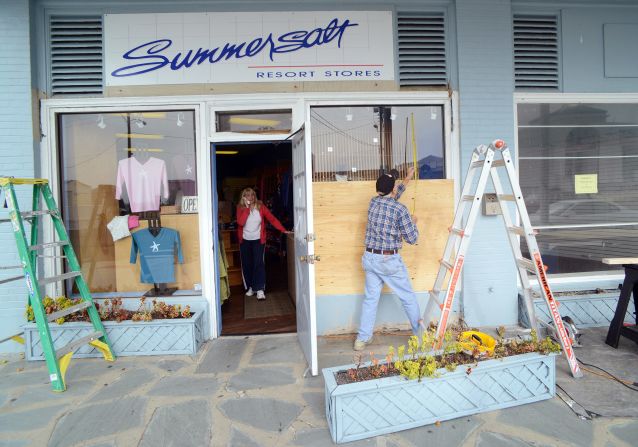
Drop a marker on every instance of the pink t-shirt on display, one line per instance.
(144, 182)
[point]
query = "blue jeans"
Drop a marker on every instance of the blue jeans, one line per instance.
(391, 270)
(252, 264)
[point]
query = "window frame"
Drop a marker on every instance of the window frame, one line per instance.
(568, 281)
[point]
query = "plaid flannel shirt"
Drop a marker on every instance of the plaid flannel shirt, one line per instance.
(389, 223)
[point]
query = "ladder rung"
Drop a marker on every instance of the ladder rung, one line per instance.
(469, 198)
(498, 163)
(11, 267)
(516, 229)
(11, 337)
(29, 214)
(51, 256)
(77, 343)
(62, 277)
(446, 264)
(5, 220)
(509, 197)
(48, 245)
(434, 294)
(69, 310)
(527, 264)
(477, 164)
(13, 278)
(459, 231)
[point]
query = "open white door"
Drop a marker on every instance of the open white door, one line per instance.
(304, 250)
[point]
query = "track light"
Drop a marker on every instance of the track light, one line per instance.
(348, 114)
(140, 123)
(393, 113)
(180, 119)
(433, 114)
(100, 122)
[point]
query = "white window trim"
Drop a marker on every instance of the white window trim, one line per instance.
(578, 280)
(206, 106)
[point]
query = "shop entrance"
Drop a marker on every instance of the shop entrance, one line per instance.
(266, 168)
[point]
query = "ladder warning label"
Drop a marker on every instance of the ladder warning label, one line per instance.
(29, 283)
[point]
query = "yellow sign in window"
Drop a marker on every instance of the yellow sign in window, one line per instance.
(586, 184)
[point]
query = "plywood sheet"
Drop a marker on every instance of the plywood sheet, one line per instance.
(186, 275)
(340, 215)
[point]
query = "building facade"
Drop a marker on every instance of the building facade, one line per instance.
(91, 92)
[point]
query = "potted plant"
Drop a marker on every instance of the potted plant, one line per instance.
(154, 328)
(425, 387)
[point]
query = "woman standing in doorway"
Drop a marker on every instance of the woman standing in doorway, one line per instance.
(252, 240)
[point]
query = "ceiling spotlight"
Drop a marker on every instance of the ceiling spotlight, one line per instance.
(180, 119)
(375, 140)
(100, 122)
(330, 149)
(348, 114)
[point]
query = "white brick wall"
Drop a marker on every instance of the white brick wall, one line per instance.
(485, 57)
(16, 149)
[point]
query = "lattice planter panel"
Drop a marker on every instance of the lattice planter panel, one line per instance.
(157, 337)
(376, 407)
(591, 310)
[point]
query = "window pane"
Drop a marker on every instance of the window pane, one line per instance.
(271, 122)
(579, 167)
(576, 250)
(357, 143)
(120, 164)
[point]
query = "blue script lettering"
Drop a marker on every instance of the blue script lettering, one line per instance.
(149, 57)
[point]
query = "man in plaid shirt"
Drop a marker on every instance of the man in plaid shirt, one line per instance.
(389, 224)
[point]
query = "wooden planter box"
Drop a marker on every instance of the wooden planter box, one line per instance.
(157, 337)
(376, 407)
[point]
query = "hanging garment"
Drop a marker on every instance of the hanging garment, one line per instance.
(222, 262)
(157, 255)
(144, 183)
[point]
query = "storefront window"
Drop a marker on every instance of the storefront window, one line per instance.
(579, 174)
(270, 122)
(128, 188)
(357, 143)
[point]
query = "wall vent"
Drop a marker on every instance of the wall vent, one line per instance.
(75, 55)
(421, 49)
(536, 54)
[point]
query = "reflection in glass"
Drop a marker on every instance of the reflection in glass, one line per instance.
(579, 171)
(357, 143)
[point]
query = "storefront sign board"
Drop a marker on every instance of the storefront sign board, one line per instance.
(192, 48)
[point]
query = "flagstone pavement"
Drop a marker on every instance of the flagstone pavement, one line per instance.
(255, 391)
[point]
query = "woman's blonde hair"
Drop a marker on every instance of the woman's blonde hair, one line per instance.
(257, 202)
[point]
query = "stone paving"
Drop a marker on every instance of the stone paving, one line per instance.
(247, 391)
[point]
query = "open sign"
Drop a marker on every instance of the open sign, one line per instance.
(189, 204)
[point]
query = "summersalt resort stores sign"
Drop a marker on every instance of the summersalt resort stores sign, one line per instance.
(192, 48)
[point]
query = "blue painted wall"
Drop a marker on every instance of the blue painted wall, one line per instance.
(598, 54)
(16, 149)
(486, 86)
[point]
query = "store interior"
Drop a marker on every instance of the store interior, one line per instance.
(267, 168)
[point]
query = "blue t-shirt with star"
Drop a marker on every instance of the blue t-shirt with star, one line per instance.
(157, 255)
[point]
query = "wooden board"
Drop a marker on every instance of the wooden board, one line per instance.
(340, 215)
(186, 275)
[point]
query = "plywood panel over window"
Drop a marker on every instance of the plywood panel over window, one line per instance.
(340, 213)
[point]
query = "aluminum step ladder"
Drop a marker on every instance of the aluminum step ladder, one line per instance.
(57, 360)
(483, 162)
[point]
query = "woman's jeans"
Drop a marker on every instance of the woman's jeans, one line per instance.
(252, 264)
(391, 270)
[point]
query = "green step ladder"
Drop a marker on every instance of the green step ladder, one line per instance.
(57, 359)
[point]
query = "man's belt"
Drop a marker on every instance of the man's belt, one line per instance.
(382, 252)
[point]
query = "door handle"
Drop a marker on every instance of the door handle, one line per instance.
(310, 259)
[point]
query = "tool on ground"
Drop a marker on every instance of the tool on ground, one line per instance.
(482, 161)
(572, 331)
(57, 360)
(479, 342)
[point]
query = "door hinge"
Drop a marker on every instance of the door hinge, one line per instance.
(311, 237)
(310, 259)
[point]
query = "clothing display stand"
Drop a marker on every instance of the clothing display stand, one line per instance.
(154, 226)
